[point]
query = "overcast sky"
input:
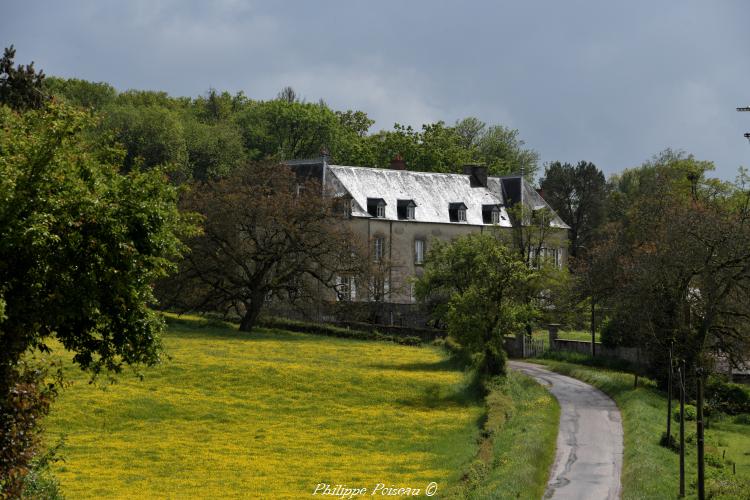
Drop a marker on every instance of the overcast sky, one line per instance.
(608, 82)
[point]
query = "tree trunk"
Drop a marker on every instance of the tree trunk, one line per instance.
(252, 311)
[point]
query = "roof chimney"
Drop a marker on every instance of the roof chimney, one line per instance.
(477, 175)
(398, 163)
(540, 191)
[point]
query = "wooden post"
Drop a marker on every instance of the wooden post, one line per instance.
(699, 429)
(669, 399)
(682, 429)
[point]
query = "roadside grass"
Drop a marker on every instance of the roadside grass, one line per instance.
(651, 471)
(267, 414)
(524, 445)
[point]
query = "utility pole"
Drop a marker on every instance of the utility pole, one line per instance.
(747, 134)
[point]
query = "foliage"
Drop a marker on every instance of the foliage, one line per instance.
(80, 245)
(578, 195)
(214, 150)
(726, 397)
(21, 87)
(282, 130)
(475, 285)
(265, 235)
(230, 407)
(676, 264)
(89, 95)
(151, 135)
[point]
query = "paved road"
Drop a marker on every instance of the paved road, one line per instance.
(589, 442)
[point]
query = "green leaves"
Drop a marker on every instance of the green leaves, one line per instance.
(80, 242)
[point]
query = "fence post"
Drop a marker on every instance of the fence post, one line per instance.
(552, 329)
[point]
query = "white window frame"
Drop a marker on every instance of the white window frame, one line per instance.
(411, 212)
(496, 216)
(380, 211)
(378, 244)
(419, 251)
(461, 215)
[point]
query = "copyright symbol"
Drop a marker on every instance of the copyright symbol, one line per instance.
(431, 489)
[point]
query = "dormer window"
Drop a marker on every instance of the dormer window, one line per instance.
(376, 207)
(491, 214)
(407, 209)
(457, 212)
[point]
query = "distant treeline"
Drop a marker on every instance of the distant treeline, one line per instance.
(210, 135)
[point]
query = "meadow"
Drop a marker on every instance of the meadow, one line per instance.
(266, 414)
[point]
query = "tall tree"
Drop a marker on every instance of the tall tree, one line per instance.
(475, 286)
(265, 235)
(578, 195)
(80, 246)
(21, 87)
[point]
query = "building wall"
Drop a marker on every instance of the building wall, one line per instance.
(399, 248)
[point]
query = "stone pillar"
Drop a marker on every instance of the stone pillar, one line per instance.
(552, 328)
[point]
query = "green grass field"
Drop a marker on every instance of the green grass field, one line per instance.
(650, 471)
(271, 414)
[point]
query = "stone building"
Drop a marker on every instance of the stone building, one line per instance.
(399, 213)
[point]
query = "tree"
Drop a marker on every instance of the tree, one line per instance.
(80, 246)
(265, 235)
(89, 95)
(21, 87)
(578, 195)
(475, 286)
(683, 265)
(152, 136)
(281, 129)
(213, 150)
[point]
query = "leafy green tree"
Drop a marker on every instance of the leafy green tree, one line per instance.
(89, 95)
(80, 246)
(213, 150)
(475, 286)
(283, 130)
(21, 87)
(152, 136)
(500, 148)
(682, 273)
(578, 194)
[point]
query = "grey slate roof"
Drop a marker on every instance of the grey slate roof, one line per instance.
(432, 192)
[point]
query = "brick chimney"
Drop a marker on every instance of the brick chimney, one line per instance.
(540, 191)
(477, 175)
(397, 163)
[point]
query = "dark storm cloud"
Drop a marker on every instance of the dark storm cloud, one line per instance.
(607, 82)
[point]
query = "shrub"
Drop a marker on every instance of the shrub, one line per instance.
(335, 331)
(690, 413)
(728, 398)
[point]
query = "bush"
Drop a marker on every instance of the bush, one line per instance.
(335, 331)
(690, 413)
(728, 398)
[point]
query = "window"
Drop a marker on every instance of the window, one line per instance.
(419, 251)
(457, 212)
(345, 288)
(378, 249)
(491, 214)
(406, 209)
(376, 207)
